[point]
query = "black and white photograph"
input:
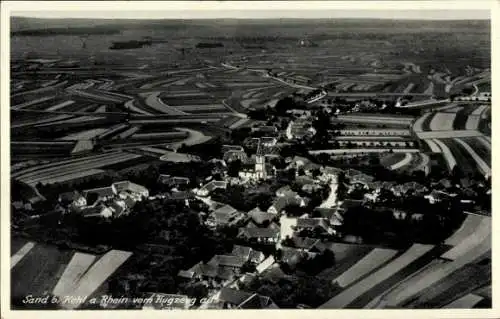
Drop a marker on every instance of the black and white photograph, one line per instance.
(247, 155)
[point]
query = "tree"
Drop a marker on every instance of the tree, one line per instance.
(234, 168)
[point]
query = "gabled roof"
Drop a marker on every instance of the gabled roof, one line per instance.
(227, 260)
(257, 301)
(241, 251)
(312, 223)
(208, 270)
(101, 192)
(258, 232)
(233, 296)
(305, 242)
(259, 216)
(282, 202)
(127, 186)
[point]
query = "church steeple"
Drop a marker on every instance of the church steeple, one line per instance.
(260, 163)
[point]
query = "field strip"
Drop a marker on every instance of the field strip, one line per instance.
(448, 134)
(64, 177)
(450, 159)
(101, 109)
(470, 225)
(369, 138)
(349, 295)
(154, 101)
(364, 150)
(74, 270)
(55, 164)
(472, 122)
(488, 138)
(21, 253)
(434, 147)
(466, 302)
(200, 107)
(432, 275)
(475, 238)
(60, 105)
(84, 135)
(160, 134)
(417, 126)
(96, 162)
(485, 168)
(409, 88)
(376, 258)
(483, 140)
(442, 122)
(130, 106)
(33, 102)
(40, 90)
(98, 274)
(480, 109)
(405, 161)
(195, 137)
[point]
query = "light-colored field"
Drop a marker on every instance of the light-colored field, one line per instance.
(355, 291)
(376, 258)
(466, 302)
(154, 101)
(97, 274)
(203, 107)
(434, 147)
(239, 123)
(483, 140)
(59, 178)
(60, 105)
(481, 164)
(413, 286)
(364, 150)
(442, 122)
(84, 135)
(72, 274)
(480, 109)
(448, 134)
(32, 102)
(418, 125)
(472, 122)
(20, 254)
(130, 106)
(471, 225)
(375, 119)
(248, 102)
(482, 232)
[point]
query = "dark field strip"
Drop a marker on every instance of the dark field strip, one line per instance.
(127, 164)
(16, 244)
(452, 287)
(39, 270)
(479, 148)
(464, 160)
(462, 116)
(342, 265)
(427, 122)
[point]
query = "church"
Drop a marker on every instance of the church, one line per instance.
(256, 169)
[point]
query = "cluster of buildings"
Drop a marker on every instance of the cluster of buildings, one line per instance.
(112, 201)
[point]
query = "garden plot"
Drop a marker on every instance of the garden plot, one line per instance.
(442, 122)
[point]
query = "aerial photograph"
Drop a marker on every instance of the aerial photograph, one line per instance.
(250, 160)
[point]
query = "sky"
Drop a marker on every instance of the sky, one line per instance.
(433, 10)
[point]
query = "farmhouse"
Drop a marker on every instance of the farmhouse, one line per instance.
(174, 181)
(248, 254)
(259, 217)
(208, 188)
(72, 198)
(281, 203)
(128, 189)
(102, 193)
(260, 235)
(225, 215)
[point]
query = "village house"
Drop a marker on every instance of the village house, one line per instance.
(210, 274)
(315, 225)
(259, 235)
(128, 189)
(225, 215)
(234, 155)
(248, 254)
(281, 203)
(259, 217)
(208, 188)
(99, 194)
(230, 262)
